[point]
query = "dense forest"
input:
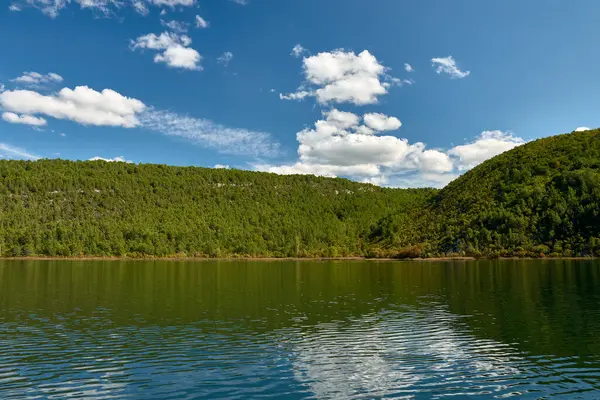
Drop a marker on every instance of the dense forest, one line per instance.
(65, 208)
(540, 199)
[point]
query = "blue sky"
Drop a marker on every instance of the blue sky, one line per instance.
(205, 83)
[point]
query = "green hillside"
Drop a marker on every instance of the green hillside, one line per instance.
(540, 198)
(65, 208)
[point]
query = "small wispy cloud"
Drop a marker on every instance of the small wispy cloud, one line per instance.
(10, 152)
(225, 58)
(34, 79)
(295, 96)
(140, 7)
(176, 26)
(447, 65)
(106, 8)
(201, 22)
(298, 50)
(210, 134)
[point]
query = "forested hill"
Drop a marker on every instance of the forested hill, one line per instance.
(96, 208)
(540, 199)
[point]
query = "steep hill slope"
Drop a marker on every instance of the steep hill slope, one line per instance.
(540, 198)
(65, 208)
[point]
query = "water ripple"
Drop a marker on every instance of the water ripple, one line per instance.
(341, 345)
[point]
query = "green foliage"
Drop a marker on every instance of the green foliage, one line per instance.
(539, 199)
(65, 208)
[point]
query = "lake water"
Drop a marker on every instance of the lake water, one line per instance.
(287, 330)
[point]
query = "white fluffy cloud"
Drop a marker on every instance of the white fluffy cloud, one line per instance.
(115, 159)
(344, 77)
(23, 119)
(221, 166)
(339, 140)
(160, 42)
(408, 67)
(435, 161)
(582, 129)
(380, 122)
(210, 134)
(180, 57)
(341, 119)
(327, 170)
(447, 65)
(225, 58)
(82, 104)
(173, 49)
(484, 147)
(378, 180)
(339, 145)
(10, 152)
(36, 79)
(201, 22)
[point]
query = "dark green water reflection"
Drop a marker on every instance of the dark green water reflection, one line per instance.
(529, 329)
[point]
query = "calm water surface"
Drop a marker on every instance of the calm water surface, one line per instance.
(287, 330)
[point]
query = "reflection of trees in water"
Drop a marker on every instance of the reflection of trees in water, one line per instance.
(541, 307)
(342, 327)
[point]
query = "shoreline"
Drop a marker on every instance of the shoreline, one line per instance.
(200, 259)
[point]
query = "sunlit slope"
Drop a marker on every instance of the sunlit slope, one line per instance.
(542, 197)
(65, 208)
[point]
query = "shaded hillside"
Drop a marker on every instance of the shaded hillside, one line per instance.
(65, 208)
(540, 198)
